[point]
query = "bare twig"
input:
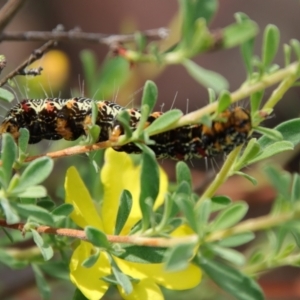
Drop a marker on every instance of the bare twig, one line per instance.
(33, 57)
(79, 36)
(8, 11)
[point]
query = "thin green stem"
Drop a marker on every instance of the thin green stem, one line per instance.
(221, 176)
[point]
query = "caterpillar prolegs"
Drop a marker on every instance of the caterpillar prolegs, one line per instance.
(56, 118)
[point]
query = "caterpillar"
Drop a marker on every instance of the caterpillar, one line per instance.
(55, 118)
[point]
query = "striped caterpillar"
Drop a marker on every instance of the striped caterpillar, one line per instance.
(56, 118)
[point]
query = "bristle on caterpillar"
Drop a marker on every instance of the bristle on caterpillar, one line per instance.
(55, 118)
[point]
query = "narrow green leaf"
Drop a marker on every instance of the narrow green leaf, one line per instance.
(271, 150)
(280, 180)
(255, 100)
(287, 51)
(45, 249)
(224, 101)
(8, 157)
(10, 261)
(248, 177)
(289, 130)
(36, 172)
(202, 216)
(78, 295)
(143, 254)
(91, 260)
(231, 280)
(11, 215)
(149, 95)
(219, 202)
(64, 210)
(6, 95)
(239, 33)
(124, 211)
(183, 173)
(187, 207)
(89, 64)
(41, 282)
(123, 280)
(164, 121)
(56, 269)
(178, 257)
(205, 77)
(211, 95)
(228, 254)
(230, 216)
(237, 240)
(149, 182)
(97, 237)
(270, 133)
(124, 118)
(34, 212)
(37, 191)
(23, 140)
(296, 47)
(270, 44)
(296, 188)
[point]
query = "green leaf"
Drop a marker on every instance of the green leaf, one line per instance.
(6, 95)
(224, 101)
(183, 173)
(113, 74)
(248, 177)
(270, 133)
(23, 141)
(57, 269)
(219, 202)
(228, 254)
(178, 257)
(187, 207)
(64, 209)
(231, 280)
(122, 279)
(41, 282)
(230, 216)
(97, 237)
(45, 249)
(271, 150)
(164, 121)
(237, 240)
(124, 211)
(11, 215)
(37, 191)
(289, 130)
(143, 254)
(36, 172)
(149, 183)
(8, 157)
(149, 95)
(287, 50)
(191, 12)
(91, 260)
(78, 295)
(280, 180)
(255, 100)
(124, 118)
(10, 261)
(239, 33)
(211, 95)
(270, 44)
(295, 188)
(89, 63)
(296, 47)
(205, 77)
(34, 212)
(202, 216)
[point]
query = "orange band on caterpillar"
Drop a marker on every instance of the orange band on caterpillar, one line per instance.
(56, 118)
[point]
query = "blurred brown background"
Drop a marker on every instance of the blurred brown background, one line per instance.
(117, 16)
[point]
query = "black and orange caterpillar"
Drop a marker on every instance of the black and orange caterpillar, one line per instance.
(56, 118)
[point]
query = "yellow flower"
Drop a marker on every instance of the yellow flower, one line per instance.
(118, 173)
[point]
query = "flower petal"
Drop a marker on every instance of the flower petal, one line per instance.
(180, 280)
(120, 173)
(145, 289)
(88, 280)
(77, 194)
